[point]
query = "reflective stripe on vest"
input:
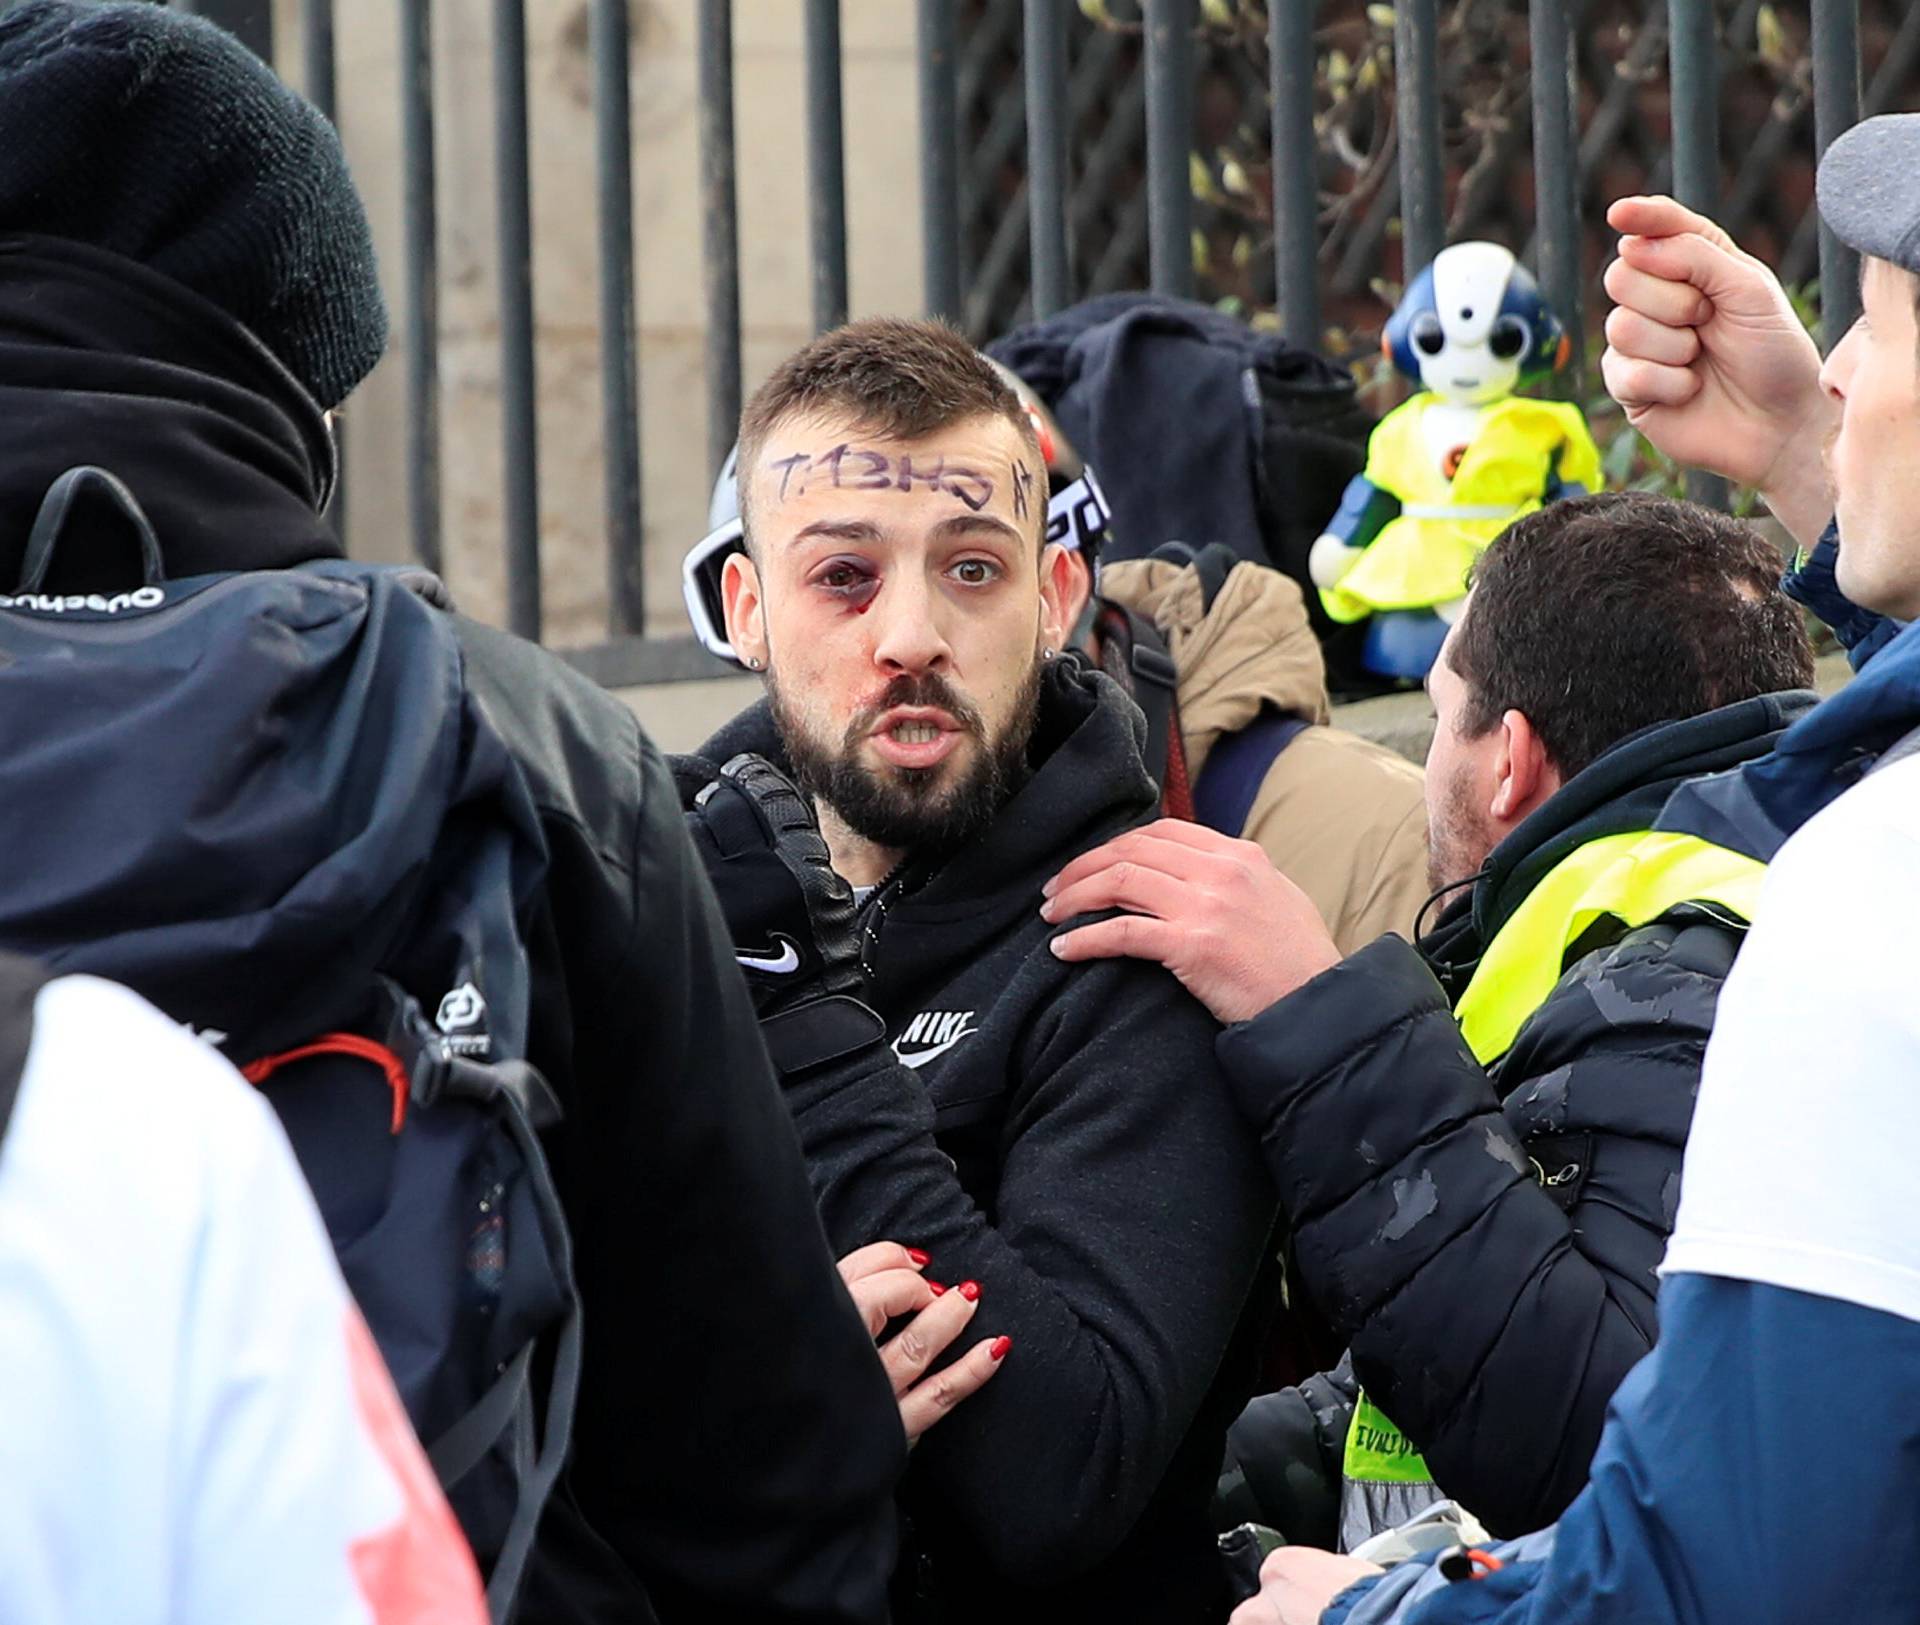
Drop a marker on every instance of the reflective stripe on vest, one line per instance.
(1378, 1452)
(1634, 878)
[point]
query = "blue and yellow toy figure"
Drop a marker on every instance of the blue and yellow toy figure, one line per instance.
(1457, 464)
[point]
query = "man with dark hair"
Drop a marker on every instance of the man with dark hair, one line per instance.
(1477, 1141)
(1585, 648)
(1059, 1140)
(187, 288)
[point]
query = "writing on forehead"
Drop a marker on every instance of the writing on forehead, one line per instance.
(1022, 489)
(848, 467)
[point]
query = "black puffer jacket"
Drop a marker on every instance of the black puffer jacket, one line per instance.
(1487, 1240)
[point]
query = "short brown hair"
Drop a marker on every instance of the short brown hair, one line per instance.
(1603, 615)
(902, 379)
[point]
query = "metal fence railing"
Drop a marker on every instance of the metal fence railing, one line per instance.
(1050, 40)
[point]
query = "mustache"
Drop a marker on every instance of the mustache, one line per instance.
(926, 689)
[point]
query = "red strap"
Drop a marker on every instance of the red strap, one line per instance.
(363, 1049)
(1176, 793)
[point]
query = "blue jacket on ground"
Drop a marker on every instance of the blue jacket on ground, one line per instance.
(1763, 1463)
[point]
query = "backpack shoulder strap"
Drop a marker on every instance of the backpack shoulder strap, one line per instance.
(1236, 767)
(20, 984)
(1134, 654)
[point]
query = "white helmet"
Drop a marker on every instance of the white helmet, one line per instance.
(700, 572)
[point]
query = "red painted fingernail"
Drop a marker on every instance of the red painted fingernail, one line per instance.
(970, 1290)
(1000, 1347)
(935, 1287)
(919, 1258)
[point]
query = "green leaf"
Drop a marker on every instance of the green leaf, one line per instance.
(1217, 12)
(1096, 11)
(1200, 178)
(1380, 16)
(1770, 39)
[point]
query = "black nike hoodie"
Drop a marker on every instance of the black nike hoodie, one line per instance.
(1062, 1135)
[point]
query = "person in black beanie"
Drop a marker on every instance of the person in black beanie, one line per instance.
(187, 287)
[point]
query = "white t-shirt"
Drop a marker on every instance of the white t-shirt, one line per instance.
(196, 1429)
(1800, 1168)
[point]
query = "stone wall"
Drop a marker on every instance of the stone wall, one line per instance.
(884, 254)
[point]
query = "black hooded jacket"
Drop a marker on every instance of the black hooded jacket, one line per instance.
(1060, 1134)
(1493, 1323)
(736, 1449)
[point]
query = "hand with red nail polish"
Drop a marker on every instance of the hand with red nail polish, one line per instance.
(886, 1284)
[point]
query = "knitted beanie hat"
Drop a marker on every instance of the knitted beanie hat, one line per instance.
(158, 136)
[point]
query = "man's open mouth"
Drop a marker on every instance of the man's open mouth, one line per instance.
(913, 736)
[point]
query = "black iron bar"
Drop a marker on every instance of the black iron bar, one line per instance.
(317, 36)
(1836, 108)
(316, 23)
(826, 165)
(720, 207)
(1416, 75)
(1047, 114)
(1296, 170)
(1695, 98)
(619, 379)
(519, 429)
(422, 276)
(939, 158)
(1556, 179)
(1169, 28)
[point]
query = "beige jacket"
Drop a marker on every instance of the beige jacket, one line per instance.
(1340, 816)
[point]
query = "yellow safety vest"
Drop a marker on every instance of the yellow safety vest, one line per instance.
(1422, 557)
(1634, 878)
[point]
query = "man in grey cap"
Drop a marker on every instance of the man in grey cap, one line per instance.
(1763, 1463)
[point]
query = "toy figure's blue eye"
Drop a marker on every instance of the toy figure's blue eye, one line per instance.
(1426, 335)
(1510, 337)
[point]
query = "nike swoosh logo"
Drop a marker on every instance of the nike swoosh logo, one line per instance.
(784, 963)
(920, 1057)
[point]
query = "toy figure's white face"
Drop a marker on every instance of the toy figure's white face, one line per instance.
(1470, 354)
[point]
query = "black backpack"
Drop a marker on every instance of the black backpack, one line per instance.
(1134, 654)
(1202, 429)
(267, 802)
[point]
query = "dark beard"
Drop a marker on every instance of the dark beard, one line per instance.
(912, 809)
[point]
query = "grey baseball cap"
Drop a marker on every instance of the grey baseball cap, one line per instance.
(1869, 188)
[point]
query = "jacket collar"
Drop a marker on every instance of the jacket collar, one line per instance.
(1622, 790)
(103, 361)
(1758, 804)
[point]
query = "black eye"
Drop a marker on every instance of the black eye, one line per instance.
(1426, 334)
(1510, 336)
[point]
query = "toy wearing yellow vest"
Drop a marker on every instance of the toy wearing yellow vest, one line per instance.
(1454, 466)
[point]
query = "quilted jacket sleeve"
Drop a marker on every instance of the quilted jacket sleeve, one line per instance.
(1487, 1243)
